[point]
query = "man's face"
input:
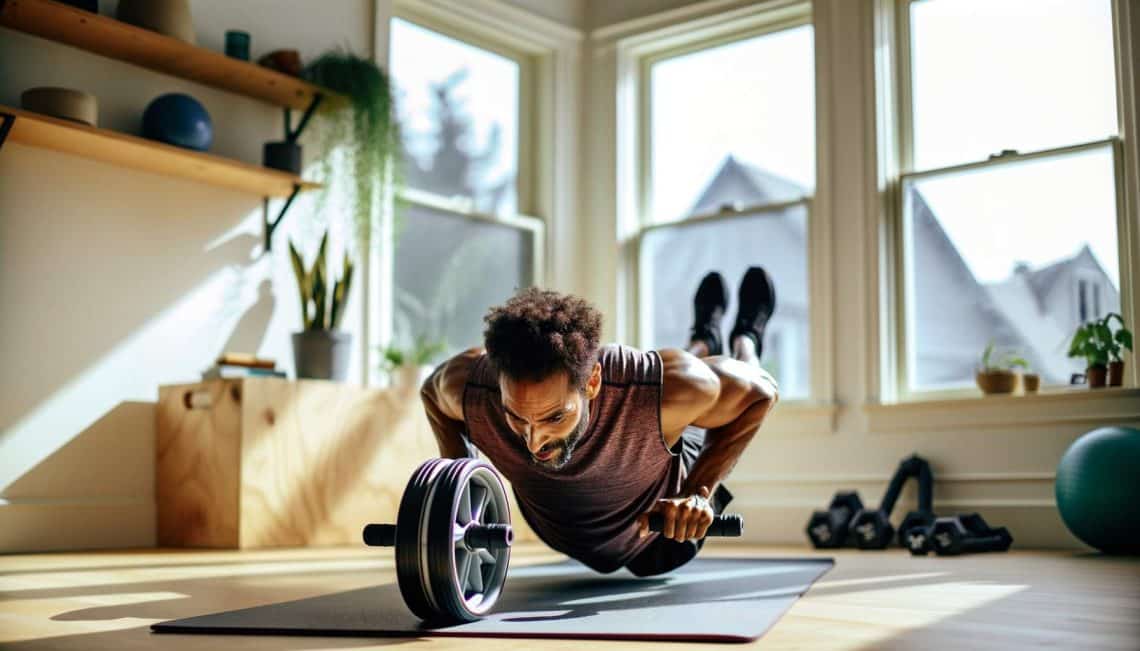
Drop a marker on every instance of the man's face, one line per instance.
(549, 416)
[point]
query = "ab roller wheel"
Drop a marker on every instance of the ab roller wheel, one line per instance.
(452, 538)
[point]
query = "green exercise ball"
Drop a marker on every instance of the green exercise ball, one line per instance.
(1098, 489)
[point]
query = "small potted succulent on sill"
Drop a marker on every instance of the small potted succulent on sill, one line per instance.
(1101, 347)
(321, 351)
(996, 376)
(1030, 381)
(406, 368)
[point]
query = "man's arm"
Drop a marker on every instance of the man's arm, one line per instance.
(730, 399)
(442, 395)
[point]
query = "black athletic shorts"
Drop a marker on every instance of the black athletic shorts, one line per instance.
(663, 554)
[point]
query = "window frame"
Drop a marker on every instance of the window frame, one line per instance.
(896, 98)
(645, 109)
(639, 54)
(527, 177)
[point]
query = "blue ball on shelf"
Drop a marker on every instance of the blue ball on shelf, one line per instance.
(180, 120)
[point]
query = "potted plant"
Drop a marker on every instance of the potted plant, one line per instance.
(321, 351)
(408, 367)
(1030, 381)
(1093, 342)
(357, 134)
(997, 375)
(1119, 340)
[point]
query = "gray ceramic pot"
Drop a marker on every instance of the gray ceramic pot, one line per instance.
(322, 354)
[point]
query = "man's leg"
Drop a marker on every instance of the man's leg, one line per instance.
(757, 302)
(744, 349)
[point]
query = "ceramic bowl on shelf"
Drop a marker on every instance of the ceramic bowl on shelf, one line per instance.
(169, 17)
(65, 103)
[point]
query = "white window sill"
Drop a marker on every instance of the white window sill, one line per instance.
(1070, 406)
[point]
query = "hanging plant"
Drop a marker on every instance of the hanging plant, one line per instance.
(357, 134)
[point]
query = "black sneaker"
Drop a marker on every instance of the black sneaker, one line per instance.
(709, 305)
(757, 303)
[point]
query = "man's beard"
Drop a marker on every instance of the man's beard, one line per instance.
(565, 447)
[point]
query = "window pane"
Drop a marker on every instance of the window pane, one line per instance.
(1028, 75)
(675, 258)
(449, 270)
(458, 109)
(733, 124)
(1019, 254)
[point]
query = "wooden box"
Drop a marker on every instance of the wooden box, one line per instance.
(267, 462)
(263, 462)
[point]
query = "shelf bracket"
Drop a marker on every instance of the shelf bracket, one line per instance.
(6, 122)
(271, 226)
(291, 134)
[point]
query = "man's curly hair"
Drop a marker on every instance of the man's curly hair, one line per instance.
(539, 332)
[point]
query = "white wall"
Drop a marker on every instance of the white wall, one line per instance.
(571, 13)
(609, 12)
(117, 281)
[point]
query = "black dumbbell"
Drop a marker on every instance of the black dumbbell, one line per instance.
(912, 530)
(967, 533)
(828, 529)
(871, 528)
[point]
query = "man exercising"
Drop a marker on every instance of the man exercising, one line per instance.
(595, 438)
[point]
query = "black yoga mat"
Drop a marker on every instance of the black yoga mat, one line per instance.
(718, 599)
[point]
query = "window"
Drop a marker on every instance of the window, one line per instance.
(730, 170)
(461, 244)
(450, 269)
(1008, 183)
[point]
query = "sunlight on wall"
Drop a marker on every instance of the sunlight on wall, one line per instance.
(166, 349)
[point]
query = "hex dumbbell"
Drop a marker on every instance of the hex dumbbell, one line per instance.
(828, 529)
(912, 530)
(966, 533)
(872, 528)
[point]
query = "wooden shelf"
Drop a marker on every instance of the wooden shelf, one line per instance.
(117, 40)
(69, 137)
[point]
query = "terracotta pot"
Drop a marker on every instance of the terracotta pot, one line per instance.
(284, 61)
(1116, 373)
(1030, 382)
(1096, 376)
(991, 382)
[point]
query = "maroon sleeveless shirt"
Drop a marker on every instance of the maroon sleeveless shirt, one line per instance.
(620, 467)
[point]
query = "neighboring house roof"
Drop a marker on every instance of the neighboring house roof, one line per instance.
(743, 184)
(1037, 302)
(1044, 280)
(1025, 312)
(957, 290)
(1044, 338)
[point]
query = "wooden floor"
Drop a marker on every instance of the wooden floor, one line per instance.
(870, 600)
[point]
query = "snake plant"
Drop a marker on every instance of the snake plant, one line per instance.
(321, 309)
